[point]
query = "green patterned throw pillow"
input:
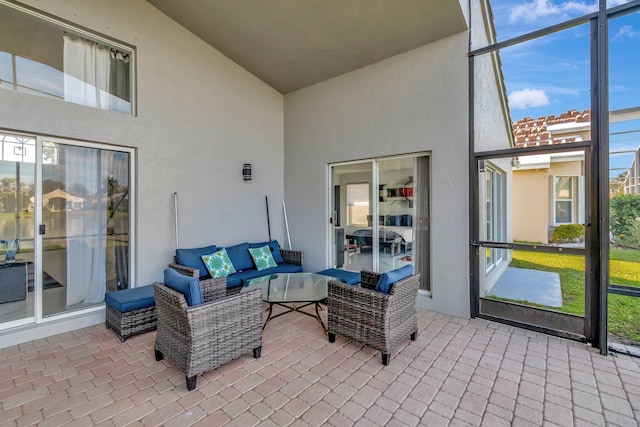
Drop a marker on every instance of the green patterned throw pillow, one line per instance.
(218, 264)
(262, 257)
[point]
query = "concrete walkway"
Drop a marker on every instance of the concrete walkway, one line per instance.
(522, 284)
(459, 372)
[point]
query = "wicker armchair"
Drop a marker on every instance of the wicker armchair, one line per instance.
(203, 337)
(375, 319)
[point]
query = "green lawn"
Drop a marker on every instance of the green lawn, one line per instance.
(624, 311)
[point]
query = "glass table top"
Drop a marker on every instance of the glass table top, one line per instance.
(291, 287)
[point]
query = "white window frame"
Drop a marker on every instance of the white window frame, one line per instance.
(360, 196)
(573, 198)
(495, 220)
(75, 30)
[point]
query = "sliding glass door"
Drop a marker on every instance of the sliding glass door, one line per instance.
(380, 215)
(17, 183)
(86, 219)
(65, 208)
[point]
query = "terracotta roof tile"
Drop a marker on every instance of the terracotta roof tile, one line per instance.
(527, 129)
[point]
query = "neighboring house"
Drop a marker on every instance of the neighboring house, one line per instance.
(59, 200)
(548, 189)
(631, 183)
(284, 91)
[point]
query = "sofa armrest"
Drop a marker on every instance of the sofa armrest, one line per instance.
(292, 256)
(405, 294)
(369, 279)
(213, 289)
(187, 271)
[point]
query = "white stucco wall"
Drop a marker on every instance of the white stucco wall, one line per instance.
(200, 117)
(414, 102)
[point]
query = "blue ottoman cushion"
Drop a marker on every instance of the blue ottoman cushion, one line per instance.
(130, 299)
(348, 277)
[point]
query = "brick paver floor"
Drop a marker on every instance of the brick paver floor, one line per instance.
(459, 372)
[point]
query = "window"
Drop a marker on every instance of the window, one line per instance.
(46, 57)
(357, 204)
(563, 199)
(495, 214)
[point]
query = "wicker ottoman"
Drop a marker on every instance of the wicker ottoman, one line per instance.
(131, 311)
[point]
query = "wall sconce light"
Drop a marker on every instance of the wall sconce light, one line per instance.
(246, 172)
(515, 162)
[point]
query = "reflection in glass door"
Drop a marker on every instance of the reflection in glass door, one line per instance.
(85, 205)
(17, 179)
(380, 215)
(352, 213)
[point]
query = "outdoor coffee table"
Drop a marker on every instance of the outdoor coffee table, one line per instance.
(289, 290)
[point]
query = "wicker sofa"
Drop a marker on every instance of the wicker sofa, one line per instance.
(376, 319)
(188, 262)
(202, 337)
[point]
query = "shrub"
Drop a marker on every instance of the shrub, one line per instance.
(631, 240)
(625, 210)
(568, 233)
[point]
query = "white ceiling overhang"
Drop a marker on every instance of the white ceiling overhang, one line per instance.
(292, 44)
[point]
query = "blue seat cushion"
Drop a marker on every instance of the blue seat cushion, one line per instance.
(275, 249)
(191, 258)
(240, 256)
(234, 282)
(348, 277)
(130, 299)
(247, 275)
(393, 276)
(186, 285)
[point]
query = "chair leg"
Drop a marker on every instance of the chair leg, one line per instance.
(159, 355)
(191, 382)
(414, 336)
(385, 359)
(332, 337)
(257, 351)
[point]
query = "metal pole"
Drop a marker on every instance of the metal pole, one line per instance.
(286, 223)
(175, 216)
(266, 201)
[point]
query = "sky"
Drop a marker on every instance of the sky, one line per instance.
(550, 75)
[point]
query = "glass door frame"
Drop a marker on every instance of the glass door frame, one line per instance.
(375, 209)
(38, 317)
(546, 321)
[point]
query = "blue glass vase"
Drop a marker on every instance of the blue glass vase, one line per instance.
(10, 248)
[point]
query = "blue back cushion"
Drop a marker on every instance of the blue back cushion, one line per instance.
(240, 256)
(275, 249)
(391, 277)
(186, 285)
(191, 258)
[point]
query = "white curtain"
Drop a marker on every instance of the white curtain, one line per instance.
(86, 227)
(87, 68)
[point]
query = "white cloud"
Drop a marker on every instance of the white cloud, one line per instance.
(527, 98)
(541, 9)
(626, 32)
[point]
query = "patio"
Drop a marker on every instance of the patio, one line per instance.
(458, 372)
